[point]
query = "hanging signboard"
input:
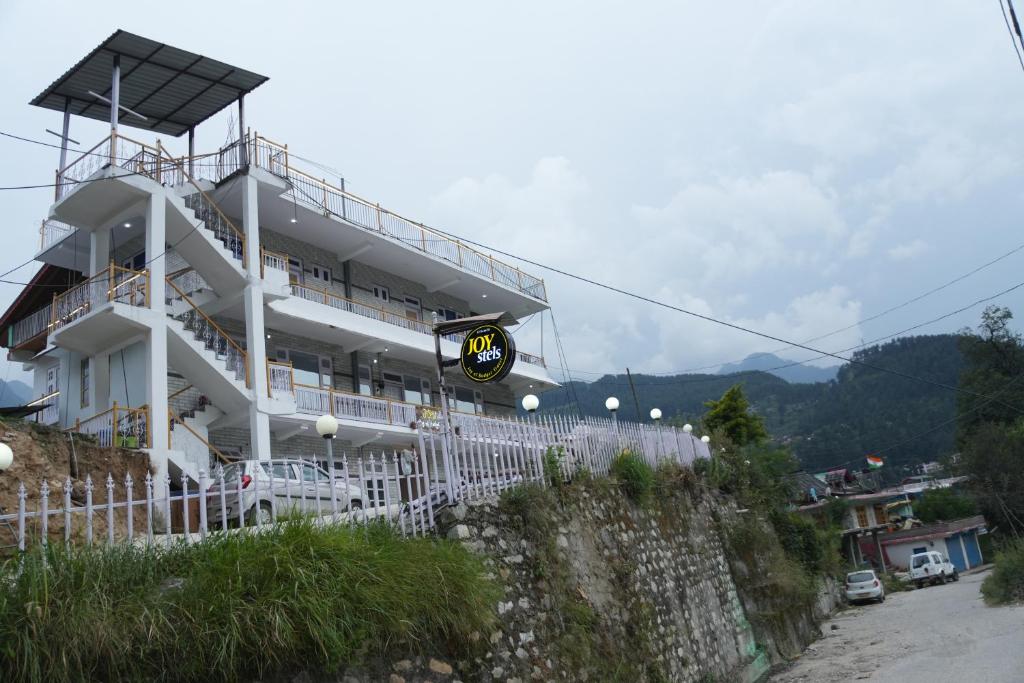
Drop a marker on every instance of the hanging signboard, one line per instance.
(488, 354)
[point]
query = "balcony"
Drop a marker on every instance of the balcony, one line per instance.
(32, 327)
(97, 313)
(329, 200)
(326, 298)
(318, 401)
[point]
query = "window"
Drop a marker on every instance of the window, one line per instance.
(84, 381)
(417, 391)
(321, 274)
(447, 314)
(312, 474)
(394, 386)
(381, 294)
(881, 516)
(295, 271)
(283, 471)
(467, 400)
(862, 517)
(365, 381)
(413, 310)
(309, 368)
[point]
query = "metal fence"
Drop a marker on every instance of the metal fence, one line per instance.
(481, 457)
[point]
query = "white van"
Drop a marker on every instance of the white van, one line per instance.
(931, 567)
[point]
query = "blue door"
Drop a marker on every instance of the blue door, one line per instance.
(973, 549)
(956, 555)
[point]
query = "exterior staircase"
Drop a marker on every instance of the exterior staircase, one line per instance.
(190, 414)
(207, 240)
(207, 355)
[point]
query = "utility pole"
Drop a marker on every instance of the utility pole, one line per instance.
(635, 401)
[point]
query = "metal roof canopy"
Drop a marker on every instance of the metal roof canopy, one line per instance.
(173, 88)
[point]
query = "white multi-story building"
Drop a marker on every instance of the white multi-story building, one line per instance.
(206, 305)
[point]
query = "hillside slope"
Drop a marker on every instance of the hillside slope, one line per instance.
(862, 411)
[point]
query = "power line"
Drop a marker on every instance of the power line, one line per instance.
(700, 316)
(1006, 20)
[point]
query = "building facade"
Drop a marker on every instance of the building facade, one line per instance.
(210, 306)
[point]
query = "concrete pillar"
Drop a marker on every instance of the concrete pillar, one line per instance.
(255, 331)
(156, 246)
(99, 250)
(156, 344)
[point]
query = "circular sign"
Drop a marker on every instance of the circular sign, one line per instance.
(488, 354)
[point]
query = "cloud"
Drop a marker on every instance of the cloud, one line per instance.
(907, 251)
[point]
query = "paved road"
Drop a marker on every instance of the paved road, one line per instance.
(940, 634)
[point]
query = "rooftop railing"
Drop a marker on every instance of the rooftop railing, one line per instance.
(327, 298)
(332, 200)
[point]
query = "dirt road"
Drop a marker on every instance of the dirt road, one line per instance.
(941, 634)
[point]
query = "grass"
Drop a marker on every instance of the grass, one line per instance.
(238, 607)
(1005, 585)
(635, 477)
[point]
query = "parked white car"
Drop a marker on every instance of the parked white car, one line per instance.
(296, 486)
(864, 585)
(931, 567)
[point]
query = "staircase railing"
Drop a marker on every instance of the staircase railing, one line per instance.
(116, 150)
(188, 280)
(117, 427)
(211, 334)
(173, 419)
(52, 231)
(187, 400)
(112, 284)
(207, 210)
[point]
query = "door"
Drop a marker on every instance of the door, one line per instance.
(316, 489)
(52, 412)
(295, 271)
(956, 555)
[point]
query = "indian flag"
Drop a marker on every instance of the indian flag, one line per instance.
(874, 462)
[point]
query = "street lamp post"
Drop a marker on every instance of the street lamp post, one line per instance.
(327, 427)
(656, 416)
(530, 404)
(612, 404)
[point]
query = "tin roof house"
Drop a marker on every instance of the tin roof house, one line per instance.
(212, 304)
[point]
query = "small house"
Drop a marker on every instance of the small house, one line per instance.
(957, 540)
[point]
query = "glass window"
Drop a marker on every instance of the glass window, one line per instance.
(860, 577)
(306, 367)
(84, 381)
(321, 273)
(414, 391)
(283, 471)
(920, 560)
(447, 314)
(381, 294)
(465, 400)
(295, 271)
(365, 381)
(862, 517)
(310, 474)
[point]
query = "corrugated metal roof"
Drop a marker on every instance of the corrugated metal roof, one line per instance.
(175, 89)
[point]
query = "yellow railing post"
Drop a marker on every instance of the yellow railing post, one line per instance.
(113, 427)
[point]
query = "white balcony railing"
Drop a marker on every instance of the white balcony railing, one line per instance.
(329, 199)
(112, 284)
(327, 298)
(51, 232)
(32, 326)
(280, 379)
(318, 401)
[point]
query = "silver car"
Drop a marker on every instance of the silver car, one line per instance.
(291, 486)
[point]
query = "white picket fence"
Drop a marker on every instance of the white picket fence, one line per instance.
(482, 457)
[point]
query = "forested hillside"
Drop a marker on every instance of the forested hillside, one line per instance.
(864, 410)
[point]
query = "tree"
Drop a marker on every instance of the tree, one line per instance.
(990, 430)
(994, 362)
(731, 415)
(943, 505)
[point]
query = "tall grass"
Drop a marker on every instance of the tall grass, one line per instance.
(242, 606)
(635, 477)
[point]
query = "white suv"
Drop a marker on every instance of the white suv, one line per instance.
(931, 567)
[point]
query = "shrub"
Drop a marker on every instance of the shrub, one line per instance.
(635, 477)
(237, 607)
(1006, 582)
(814, 547)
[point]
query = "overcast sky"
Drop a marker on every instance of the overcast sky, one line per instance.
(789, 166)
